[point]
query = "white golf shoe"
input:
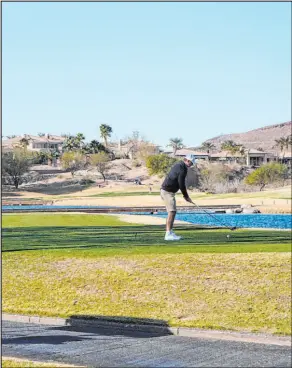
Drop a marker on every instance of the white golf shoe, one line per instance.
(171, 236)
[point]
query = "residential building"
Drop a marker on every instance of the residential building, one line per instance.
(226, 156)
(256, 158)
(45, 143)
(198, 155)
(251, 158)
(286, 158)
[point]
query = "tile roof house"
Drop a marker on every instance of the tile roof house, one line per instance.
(252, 157)
(198, 154)
(35, 143)
(224, 155)
(257, 158)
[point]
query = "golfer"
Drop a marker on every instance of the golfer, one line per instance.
(174, 181)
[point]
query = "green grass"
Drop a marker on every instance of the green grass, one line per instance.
(23, 363)
(141, 239)
(106, 234)
(108, 269)
(123, 194)
(57, 220)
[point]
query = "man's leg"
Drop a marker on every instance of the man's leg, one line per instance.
(170, 203)
(170, 220)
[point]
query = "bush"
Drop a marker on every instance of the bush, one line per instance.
(100, 161)
(159, 164)
(212, 175)
(220, 178)
(270, 173)
(86, 181)
(73, 161)
(15, 165)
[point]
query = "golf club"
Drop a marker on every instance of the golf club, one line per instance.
(210, 214)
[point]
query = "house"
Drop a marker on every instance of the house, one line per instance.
(45, 143)
(198, 155)
(251, 157)
(131, 147)
(226, 156)
(257, 158)
(285, 158)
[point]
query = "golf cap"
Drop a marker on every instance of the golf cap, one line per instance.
(190, 158)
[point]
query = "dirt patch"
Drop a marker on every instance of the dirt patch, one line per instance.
(108, 264)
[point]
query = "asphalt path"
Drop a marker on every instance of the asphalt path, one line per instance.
(111, 348)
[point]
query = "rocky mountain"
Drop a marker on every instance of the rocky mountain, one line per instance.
(263, 138)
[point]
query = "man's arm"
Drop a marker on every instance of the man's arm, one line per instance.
(182, 184)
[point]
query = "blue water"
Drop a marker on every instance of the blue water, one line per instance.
(238, 220)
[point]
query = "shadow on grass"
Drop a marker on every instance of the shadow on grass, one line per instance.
(114, 326)
(93, 326)
(65, 187)
(105, 237)
(56, 188)
(10, 194)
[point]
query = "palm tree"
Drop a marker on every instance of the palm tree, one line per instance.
(283, 143)
(24, 142)
(176, 144)
(80, 136)
(96, 146)
(93, 147)
(241, 150)
(208, 146)
(228, 145)
(68, 144)
(105, 132)
(79, 141)
(233, 148)
(74, 143)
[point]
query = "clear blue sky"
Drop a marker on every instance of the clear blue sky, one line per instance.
(189, 70)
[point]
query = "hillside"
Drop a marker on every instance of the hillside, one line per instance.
(259, 138)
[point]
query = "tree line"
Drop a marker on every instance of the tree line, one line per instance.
(78, 155)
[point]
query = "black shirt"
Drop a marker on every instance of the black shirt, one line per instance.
(176, 178)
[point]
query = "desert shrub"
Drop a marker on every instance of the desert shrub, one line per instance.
(86, 181)
(100, 161)
(271, 173)
(159, 164)
(16, 165)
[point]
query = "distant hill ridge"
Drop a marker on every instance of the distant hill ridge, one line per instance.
(263, 138)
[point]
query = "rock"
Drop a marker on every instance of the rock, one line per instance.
(246, 206)
(250, 210)
(229, 210)
(238, 210)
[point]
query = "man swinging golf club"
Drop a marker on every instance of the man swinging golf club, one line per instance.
(174, 181)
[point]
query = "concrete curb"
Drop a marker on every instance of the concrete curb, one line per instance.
(148, 328)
